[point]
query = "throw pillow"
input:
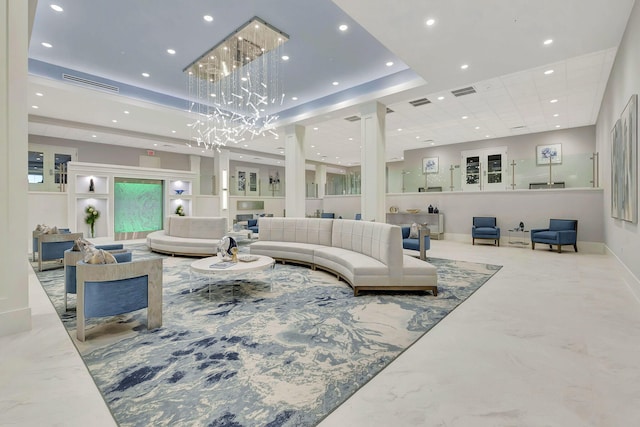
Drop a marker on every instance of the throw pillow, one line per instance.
(98, 256)
(80, 244)
(414, 233)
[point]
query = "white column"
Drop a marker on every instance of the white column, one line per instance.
(321, 180)
(15, 314)
(294, 171)
(221, 169)
(373, 161)
(194, 162)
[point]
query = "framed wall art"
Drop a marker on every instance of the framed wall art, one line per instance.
(430, 165)
(549, 153)
(624, 164)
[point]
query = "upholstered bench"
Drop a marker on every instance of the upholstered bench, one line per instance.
(188, 235)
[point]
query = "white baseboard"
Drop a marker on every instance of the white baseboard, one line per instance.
(629, 278)
(15, 321)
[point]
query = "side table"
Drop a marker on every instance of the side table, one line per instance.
(518, 237)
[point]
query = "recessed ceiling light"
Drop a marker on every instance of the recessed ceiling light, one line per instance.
(173, 131)
(318, 154)
(56, 8)
(487, 136)
(313, 146)
(440, 98)
(464, 66)
(114, 121)
(126, 112)
(213, 95)
(35, 107)
(343, 27)
(295, 98)
(557, 126)
(556, 115)
(465, 117)
(399, 129)
(244, 79)
(245, 145)
(281, 152)
(350, 139)
(315, 128)
(548, 42)
(477, 127)
(208, 18)
(335, 83)
(430, 22)
(285, 58)
(389, 64)
(94, 136)
(417, 137)
(548, 72)
(155, 145)
(145, 74)
(39, 94)
(171, 51)
(45, 44)
(432, 143)
(553, 101)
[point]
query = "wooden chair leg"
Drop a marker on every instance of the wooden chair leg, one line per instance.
(533, 245)
(559, 249)
(575, 247)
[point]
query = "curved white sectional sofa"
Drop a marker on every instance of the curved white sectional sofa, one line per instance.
(367, 255)
(188, 235)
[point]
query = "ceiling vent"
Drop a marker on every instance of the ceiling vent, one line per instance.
(517, 128)
(464, 91)
(352, 118)
(90, 83)
(419, 102)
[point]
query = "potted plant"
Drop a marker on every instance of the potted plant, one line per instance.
(92, 214)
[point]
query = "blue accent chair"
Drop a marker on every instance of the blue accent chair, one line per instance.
(71, 258)
(358, 217)
(413, 244)
(106, 290)
(51, 247)
(327, 215)
(560, 232)
(252, 225)
(484, 227)
(34, 242)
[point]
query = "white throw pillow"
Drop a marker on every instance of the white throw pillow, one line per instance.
(414, 232)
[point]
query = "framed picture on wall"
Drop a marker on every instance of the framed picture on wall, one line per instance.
(549, 153)
(430, 165)
(624, 167)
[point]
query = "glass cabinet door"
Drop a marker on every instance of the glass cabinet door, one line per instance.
(484, 169)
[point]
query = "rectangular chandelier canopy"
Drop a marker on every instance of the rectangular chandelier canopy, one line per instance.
(235, 88)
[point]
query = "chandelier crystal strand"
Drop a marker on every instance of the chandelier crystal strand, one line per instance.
(235, 90)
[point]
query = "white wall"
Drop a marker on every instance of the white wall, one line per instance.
(622, 238)
(49, 209)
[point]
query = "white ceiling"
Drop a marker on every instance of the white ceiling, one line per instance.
(501, 41)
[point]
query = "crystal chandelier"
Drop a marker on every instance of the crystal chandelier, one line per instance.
(235, 89)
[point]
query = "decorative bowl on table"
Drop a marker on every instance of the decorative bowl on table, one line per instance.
(179, 192)
(393, 209)
(413, 211)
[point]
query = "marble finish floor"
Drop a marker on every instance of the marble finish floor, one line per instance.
(553, 340)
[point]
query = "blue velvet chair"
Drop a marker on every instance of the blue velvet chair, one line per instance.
(413, 244)
(358, 217)
(484, 227)
(252, 225)
(51, 247)
(106, 290)
(327, 215)
(560, 232)
(71, 258)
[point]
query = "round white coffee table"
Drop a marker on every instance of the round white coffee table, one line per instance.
(213, 267)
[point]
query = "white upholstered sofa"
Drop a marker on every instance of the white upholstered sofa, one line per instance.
(367, 255)
(188, 235)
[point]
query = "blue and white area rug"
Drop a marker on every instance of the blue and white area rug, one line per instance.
(255, 352)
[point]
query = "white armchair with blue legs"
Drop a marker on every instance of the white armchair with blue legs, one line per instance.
(560, 232)
(106, 290)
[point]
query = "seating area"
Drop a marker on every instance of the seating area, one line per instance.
(188, 235)
(413, 242)
(51, 247)
(484, 227)
(560, 232)
(367, 255)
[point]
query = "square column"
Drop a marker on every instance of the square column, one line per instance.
(221, 169)
(372, 135)
(321, 180)
(295, 171)
(15, 314)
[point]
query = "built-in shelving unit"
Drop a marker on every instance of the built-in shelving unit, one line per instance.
(80, 176)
